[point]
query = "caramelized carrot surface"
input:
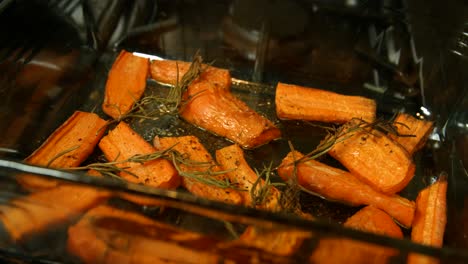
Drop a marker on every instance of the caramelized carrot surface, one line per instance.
(409, 125)
(338, 185)
(125, 84)
(193, 150)
(210, 105)
(376, 160)
(35, 213)
(122, 143)
(303, 103)
(232, 159)
(372, 219)
(68, 146)
(430, 219)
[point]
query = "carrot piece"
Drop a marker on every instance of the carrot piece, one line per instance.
(232, 157)
(68, 146)
(304, 103)
(338, 185)
(36, 212)
(369, 219)
(122, 143)
(110, 235)
(430, 219)
(209, 104)
(376, 160)
(408, 125)
(125, 84)
(192, 149)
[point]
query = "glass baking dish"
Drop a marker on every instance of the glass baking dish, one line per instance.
(384, 50)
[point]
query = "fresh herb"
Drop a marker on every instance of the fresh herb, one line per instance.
(261, 191)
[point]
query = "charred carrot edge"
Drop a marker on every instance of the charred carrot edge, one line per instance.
(191, 147)
(122, 143)
(209, 104)
(68, 146)
(376, 160)
(338, 185)
(232, 157)
(125, 84)
(35, 213)
(374, 220)
(304, 103)
(409, 125)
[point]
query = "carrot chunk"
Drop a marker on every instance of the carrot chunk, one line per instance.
(372, 219)
(408, 125)
(430, 219)
(68, 146)
(232, 157)
(376, 160)
(125, 84)
(122, 143)
(303, 103)
(338, 185)
(193, 150)
(209, 104)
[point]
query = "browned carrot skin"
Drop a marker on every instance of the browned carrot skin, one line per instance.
(34, 213)
(125, 84)
(409, 125)
(430, 219)
(68, 146)
(122, 143)
(232, 159)
(376, 160)
(338, 185)
(191, 147)
(210, 105)
(374, 220)
(303, 103)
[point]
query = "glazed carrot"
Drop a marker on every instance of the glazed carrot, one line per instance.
(376, 160)
(209, 104)
(303, 103)
(35, 213)
(408, 125)
(232, 157)
(122, 143)
(372, 219)
(125, 84)
(192, 149)
(338, 185)
(430, 219)
(110, 235)
(68, 146)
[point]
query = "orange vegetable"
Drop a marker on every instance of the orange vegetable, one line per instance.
(68, 146)
(372, 219)
(304, 103)
(430, 219)
(210, 105)
(232, 157)
(376, 160)
(408, 125)
(122, 143)
(193, 150)
(338, 185)
(35, 213)
(125, 84)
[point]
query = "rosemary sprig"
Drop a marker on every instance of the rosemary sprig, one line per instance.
(60, 154)
(260, 192)
(290, 196)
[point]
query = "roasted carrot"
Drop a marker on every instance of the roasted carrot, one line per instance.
(338, 185)
(35, 213)
(193, 150)
(209, 104)
(418, 129)
(430, 219)
(68, 146)
(376, 160)
(110, 235)
(369, 219)
(303, 103)
(125, 84)
(122, 143)
(232, 159)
